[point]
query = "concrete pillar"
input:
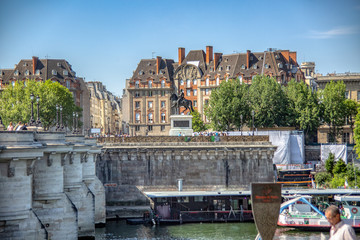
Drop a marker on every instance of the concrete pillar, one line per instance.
(77, 190)
(50, 203)
(18, 153)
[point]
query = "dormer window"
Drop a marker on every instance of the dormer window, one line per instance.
(217, 80)
(277, 56)
(150, 84)
(243, 66)
(59, 64)
(211, 69)
(65, 73)
(162, 71)
(73, 73)
(228, 68)
(68, 83)
(226, 59)
(37, 72)
(27, 72)
(149, 64)
(54, 72)
(162, 83)
(220, 68)
(207, 82)
(16, 73)
(255, 66)
(280, 65)
(141, 72)
(251, 58)
(266, 66)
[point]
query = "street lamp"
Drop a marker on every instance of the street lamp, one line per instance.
(108, 118)
(38, 122)
(32, 121)
(253, 125)
(241, 122)
(74, 126)
(61, 122)
(57, 118)
(76, 120)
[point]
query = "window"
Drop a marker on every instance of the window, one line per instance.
(283, 78)
(255, 66)
(266, 66)
(65, 73)
(195, 103)
(141, 72)
(346, 138)
(150, 84)
(195, 92)
(150, 104)
(217, 80)
(163, 83)
(137, 94)
(194, 82)
(137, 117)
(228, 68)
(206, 102)
(68, 83)
(207, 82)
(347, 95)
(227, 78)
(150, 118)
(150, 93)
(59, 64)
(163, 117)
(150, 128)
(280, 65)
(13, 83)
(358, 95)
(206, 91)
(181, 82)
(188, 83)
(16, 73)
(136, 84)
(163, 93)
(54, 72)
(243, 66)
(162, 104)
(37, 72)
(137, 104)
(188, 92)
(27, 72)
(241, 79)
(137, 128)
(162, 128)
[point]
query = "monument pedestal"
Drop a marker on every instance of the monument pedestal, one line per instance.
(181, 125)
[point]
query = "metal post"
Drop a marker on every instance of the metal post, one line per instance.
(32, 121)
(74, 127)
(38, 122)
(77, 126)
(57, 118)
(61, 122)
(253, 125)
(241, 122)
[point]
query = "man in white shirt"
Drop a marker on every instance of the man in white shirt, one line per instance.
(339, 230)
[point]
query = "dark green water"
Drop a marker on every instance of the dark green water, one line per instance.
(223, 231)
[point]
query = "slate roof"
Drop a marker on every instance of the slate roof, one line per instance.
(147, 69)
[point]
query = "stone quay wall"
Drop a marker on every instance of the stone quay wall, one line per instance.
(48, 186)
(141, 163)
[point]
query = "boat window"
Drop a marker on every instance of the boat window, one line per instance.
(200, 199)
(183, 199)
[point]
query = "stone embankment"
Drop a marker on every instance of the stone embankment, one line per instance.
(48, 186)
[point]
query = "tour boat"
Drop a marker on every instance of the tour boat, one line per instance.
(299, 213)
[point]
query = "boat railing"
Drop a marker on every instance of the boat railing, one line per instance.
(227, 215)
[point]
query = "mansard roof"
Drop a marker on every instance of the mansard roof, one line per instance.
(147, 69)
(62, 70)
(196, 57)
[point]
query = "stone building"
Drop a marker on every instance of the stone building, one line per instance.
(197, 74)
(105, 109)
(352, 82)
(57, 70)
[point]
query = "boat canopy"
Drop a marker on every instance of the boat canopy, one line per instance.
(284, 205)
(347, 198)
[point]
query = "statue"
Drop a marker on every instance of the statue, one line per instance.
(180, 101)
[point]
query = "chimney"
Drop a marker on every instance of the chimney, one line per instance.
(293, 56)
(181, 55)
(248, 59)
(209, 54)
(217, 57)
(34, 62)
(158, 62)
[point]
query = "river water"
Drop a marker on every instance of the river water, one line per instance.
(198, 231)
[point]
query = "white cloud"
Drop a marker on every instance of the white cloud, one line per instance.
(340, 31)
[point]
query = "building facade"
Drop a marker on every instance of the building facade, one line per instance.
(196, 74)
(57, 70)
(352, 82)
(105, 109)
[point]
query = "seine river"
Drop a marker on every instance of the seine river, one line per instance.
(223, 231)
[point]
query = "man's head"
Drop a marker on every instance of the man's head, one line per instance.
(332, 214)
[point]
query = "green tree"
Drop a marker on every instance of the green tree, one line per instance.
(334, 109)
(340, 167)
(303, 107)
(197, 124)
(226, 104)
(323, 178)
(338, 180)
(329, 164)
(15, 103)
(357, 132)
(269, 102)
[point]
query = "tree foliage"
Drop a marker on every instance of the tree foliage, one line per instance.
(197, 124)
(330, 163)
(269, 102)
(357, 132)
(15, 103)
(340, 167)
(226, 104)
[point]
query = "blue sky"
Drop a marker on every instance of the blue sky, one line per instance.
(105, 40)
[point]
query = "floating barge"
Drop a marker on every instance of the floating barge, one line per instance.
(176, 207)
